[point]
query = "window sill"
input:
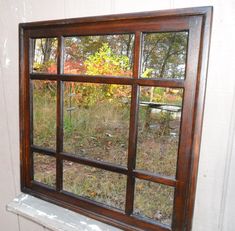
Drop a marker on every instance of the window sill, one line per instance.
(54, 217)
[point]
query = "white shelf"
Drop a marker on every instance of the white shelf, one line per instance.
(54, 217)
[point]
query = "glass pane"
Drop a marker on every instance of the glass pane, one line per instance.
(159, 129)
(95, 184)
(45, 55)
(96, 121)
(99, 55)
(164, 55)
(154, 201)
(44, 113)
(44, 169)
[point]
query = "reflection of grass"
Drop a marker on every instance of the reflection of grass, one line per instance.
(44, 169)
(96, 184)
(44, 116)
(157, 147)
(100, 131)
(154, 201)
(159, 156)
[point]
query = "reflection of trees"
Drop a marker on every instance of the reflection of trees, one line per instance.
(103, 62)
(80, 48)
(44, 53)
(164, 55)
(106, 62)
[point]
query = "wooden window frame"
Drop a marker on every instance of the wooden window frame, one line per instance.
(197, 21)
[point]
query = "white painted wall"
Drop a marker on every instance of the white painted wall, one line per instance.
(215, 203)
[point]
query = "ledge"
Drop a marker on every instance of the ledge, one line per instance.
(54, 217)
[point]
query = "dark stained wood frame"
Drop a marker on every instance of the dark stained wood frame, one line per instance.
(197, 21)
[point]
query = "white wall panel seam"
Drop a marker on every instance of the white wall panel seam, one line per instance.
(228, 158)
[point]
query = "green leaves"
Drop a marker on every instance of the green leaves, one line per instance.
(105, 62)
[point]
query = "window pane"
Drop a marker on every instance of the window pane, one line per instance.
(44, 169)
(96, 184)
(44, 113)
(154, 201)
(159, 129)
(45, 55)
(96, 121)
(99, 55)
(164, 55)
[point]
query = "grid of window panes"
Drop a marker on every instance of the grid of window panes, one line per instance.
(96, 117)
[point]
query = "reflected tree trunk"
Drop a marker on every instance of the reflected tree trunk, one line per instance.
(167, 56)
(46, 49)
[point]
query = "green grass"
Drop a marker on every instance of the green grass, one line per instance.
(96, 184)
(154, 201)
(44, 169)
(156, 148)
(100, 131)
(44, 115)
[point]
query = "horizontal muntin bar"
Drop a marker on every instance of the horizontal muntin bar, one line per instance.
(43, 150)
(174, 83)
(93, 163)
(156, 178)
(84, 78)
